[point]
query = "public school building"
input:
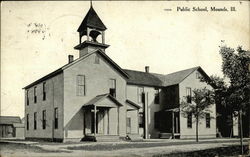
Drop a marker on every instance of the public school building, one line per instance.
(93, 98)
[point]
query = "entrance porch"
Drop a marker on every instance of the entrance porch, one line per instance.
(101, 119)
(169, 123)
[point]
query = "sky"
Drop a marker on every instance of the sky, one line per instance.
(37, 37)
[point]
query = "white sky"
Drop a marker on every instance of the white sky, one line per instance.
(140, 33)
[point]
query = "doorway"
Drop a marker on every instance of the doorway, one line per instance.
(128, 125)
(99, 122)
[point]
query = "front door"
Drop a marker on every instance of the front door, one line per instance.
(176, 121)
(100, 122)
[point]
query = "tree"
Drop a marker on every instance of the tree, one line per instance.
(224, 112)
(236, 67)
(200, 104)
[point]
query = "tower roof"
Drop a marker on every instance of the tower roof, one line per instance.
(91, 20)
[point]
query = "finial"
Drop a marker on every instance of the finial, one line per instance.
(90, 3)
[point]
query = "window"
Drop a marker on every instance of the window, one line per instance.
(188, 95)
(27, 96)
(208, 120)
(56, 118)
(35, 120)
(198, 75)
(27, 122)
(112, 87)
(157, 97)
(140, 95)
(44, 119)
(97, 59)
(81, 85)
(141, 120)
(35, 97)
(44, 90)
(189, 120)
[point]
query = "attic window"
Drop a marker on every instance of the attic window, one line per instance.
(97, 59)
(198, 75)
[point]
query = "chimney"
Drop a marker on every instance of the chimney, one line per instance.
(147, 69)
(71, 58)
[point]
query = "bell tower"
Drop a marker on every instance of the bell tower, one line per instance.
(90, 31)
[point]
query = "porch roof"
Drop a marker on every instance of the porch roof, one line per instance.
(132, 105)
(104, 100)
(9, 119)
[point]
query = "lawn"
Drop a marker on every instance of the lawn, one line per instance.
(150, 148)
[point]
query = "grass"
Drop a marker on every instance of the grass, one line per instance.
(227, 151)
(230, 151)
(118, 146)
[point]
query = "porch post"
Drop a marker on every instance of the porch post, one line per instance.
(108, 119)
(94, 120)
(84, 121)
(118, 120)
(104, 122)
(173, 124)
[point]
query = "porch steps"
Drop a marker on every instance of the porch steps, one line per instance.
(165, 135)
(107, 138)
(102, 138)
(134, 137)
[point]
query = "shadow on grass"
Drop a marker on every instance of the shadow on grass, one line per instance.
(117, 146)
(6, 146)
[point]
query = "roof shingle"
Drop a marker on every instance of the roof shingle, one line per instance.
(143, 78)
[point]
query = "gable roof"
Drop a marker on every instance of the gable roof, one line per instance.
(143, 78)
(177, 77)
(99, 98)
(60, 70)
(9, 119)
(160, 80)
(91, 20)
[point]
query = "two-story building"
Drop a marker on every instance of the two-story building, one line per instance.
(160, 96)
(92, 97)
